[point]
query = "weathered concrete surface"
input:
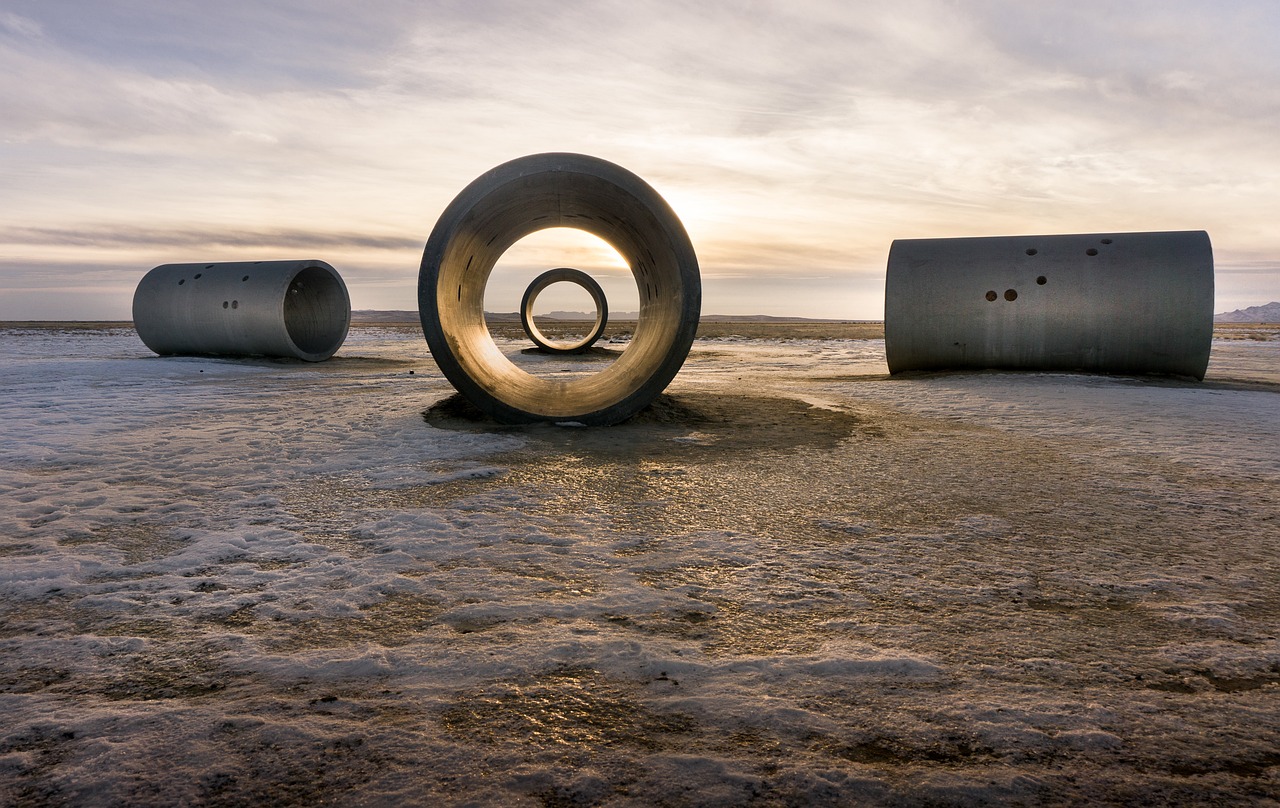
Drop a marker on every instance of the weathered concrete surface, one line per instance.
(1126, 303)
(564, 275)
(294, 309)
(533, 193)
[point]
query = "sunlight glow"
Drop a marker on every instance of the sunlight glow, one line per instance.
(795, 141)
(560, 247)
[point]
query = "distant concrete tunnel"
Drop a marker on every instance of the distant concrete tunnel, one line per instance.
(296, 309)
(533, 193)
(550, 278)
(1124, 303)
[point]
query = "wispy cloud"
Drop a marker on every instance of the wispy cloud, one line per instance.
(794, 139)
(16, 25)
(103, 237)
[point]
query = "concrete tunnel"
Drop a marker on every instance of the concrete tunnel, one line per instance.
(537, 192)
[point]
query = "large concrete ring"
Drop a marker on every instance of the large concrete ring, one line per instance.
(569, 275)
(297, 309)
(533, 193)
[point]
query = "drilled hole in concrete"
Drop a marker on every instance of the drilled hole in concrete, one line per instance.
(992, 295)
(196, 276)
(184, 280)
(1032, 251)
(235, 304)
(1091, 251)
(1106, 241)
(225, 304)
(245, 278)
(1010, 294)
(1042, 280)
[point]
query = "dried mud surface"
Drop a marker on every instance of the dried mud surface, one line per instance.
(790, 581)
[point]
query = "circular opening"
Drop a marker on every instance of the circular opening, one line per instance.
(235, 304)
(316, 311)
(572, 306)
(245, 278)
(992, 295)
(197, 275)
(225, 304)
(528, 257)
(564, 313)
(565, 300)
(1032, 251)
(1091, 251)
(1042, 280)
(1010, 294)
(182, 281)
(564, 330)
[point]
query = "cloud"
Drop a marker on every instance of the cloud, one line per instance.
(792, 138)
(16, 25)
(111, 238)
(266, 46)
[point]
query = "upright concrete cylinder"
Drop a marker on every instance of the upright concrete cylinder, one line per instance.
(296, 309)
(1126, 303)
(533, 193)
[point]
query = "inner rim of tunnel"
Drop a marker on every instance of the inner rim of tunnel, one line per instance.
(525, 260)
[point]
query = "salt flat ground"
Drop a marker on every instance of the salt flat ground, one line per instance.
(795, 581)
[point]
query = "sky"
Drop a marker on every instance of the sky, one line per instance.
(795, 140)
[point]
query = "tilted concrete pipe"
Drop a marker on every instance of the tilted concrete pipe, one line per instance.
(294, 309)
(529, 194)
(1125, 303)
(564, 275)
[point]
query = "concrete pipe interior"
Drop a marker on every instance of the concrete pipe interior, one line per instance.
(316, 311)
(297, 309)
(534, 193)
(564, 275)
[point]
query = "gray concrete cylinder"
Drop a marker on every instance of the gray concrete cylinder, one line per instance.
(1126, 303)
(564, 275)
(533, 193)
(294, 309)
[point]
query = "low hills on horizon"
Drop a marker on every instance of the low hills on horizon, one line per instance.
(1268, 313)
(378, 316)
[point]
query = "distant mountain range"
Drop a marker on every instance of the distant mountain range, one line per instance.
(374, 316)
(1269, 313)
